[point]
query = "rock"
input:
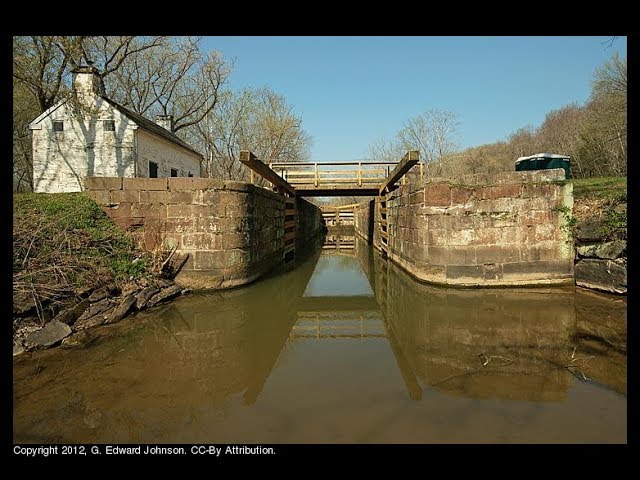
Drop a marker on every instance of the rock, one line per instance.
(602, 275)
(51, 334)
(122, 309)
(589, 229)
(23, 304)
(142, 298)
(606, 250)
(164, 294)
(95, 320)
(71, 314)
(96, 309)
(79, 339)
(99, 294)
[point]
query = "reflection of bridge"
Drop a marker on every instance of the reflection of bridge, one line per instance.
(342, 215)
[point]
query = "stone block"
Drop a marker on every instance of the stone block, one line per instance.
(437, 195)
(101, 197)
(236, 240)
(103, 183)
(461, 255)
(508, 235)
(144, 184)
(438, 255)
(210, 260)
(535, 217)
(536, 190)
(496, 254)
(485, 236)
(501, 191)
(417, 197)
(128, 196)
(240, 209)
(437, 236)
(545, 232)
(202, 241)
(460, 237)
(166, 197)
(464, 271)
(148, 210)
(236, 258)
(437, 221)
(194, 183)
(461, 195)
(527, 234)
(180, 225)
(462, 222)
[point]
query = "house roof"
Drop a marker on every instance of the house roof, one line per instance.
(152, 126)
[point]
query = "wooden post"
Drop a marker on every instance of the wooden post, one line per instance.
(316, 180)
(359, 174)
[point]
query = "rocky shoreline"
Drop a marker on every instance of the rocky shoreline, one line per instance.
(75, 325)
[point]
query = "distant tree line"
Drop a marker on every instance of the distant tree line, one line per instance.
(157, 75)
(593, 134)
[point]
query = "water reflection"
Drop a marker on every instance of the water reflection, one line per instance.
(332, 351)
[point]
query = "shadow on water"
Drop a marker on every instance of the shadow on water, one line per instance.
(307, 356)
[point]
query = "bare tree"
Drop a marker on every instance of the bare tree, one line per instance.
(385, 150)
(258, 120)
(432, 132)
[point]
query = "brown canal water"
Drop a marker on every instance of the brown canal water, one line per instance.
(344, 348)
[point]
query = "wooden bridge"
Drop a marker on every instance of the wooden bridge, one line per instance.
(324, 179)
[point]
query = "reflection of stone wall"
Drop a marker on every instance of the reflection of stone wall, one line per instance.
(490, 230)
(232, 231)
(443, 332)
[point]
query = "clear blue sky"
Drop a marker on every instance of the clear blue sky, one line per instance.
(352, 90)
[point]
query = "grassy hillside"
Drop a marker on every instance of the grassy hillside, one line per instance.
(64, 244)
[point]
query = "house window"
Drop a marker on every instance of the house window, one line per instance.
(109, 125)
(174, 172)
(58, 126)
(190, 174)
(153, 170)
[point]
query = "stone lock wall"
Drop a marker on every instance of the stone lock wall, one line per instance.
(506, 229)
(233, 232)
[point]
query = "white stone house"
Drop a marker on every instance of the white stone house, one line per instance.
(89, 134)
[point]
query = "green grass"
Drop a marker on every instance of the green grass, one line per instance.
(63, 242)
(602, 187)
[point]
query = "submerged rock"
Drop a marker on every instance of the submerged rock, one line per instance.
(79, 339)
(52, 333)
(604, 275)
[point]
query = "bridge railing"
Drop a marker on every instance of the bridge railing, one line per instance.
(322, 174)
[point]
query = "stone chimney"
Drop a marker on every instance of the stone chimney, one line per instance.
(87, 82)
(165, 121)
